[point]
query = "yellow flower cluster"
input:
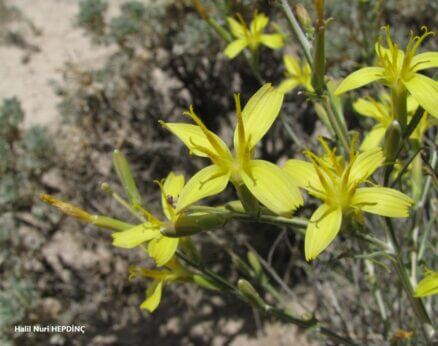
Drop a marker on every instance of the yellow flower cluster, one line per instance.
(345, 187)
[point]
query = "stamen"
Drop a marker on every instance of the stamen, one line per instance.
(321, 177)
(133, 272)
(317, 192)
(240, 126)
(389, 38)
(210, 137)
(244, 26)
(420, 39)
(213, 156)
(331, 153)
(151, 218)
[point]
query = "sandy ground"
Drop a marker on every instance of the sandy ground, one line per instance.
(59, 41)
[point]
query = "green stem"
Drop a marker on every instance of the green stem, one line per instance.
(337, 124)
(405, 167)
(416, 303)
(283, 315)
(399, 96)
(219, 29)
(302, 39)
(299, 223)
(428, 181)
(290, 131)
(251, 58)
(336, 118)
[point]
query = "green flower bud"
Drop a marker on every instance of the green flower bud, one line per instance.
(304, 19)
(250, 294)
(255, 263)
(67, 208)
(188, 224)
(205, 282)
(393, 137)
(125, 176)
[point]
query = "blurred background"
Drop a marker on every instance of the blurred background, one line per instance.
(80, 78)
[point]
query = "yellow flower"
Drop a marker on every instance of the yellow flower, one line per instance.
(174, 271)
(381, 111)
(397, 68)
(337, 184)
(296, 74)
(160, 248)
(251, 37)
(428, 285)
(266, 181)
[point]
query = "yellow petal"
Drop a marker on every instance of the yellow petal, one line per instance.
(424, 61)
(273, 41)
(135, 236)
(422, 126)
(302, 173)
(412, 104)
(236, 28)
(428, 285)
(234, 48)
(382, 201)
(359, 78)
(292, 65)
(259, 22)
(373, 139)
(385, 53)
(260, 112)
(287, 85)
(272, 187)
(162, 249)
(322, 229)
(425, 91)
(193, 137)
(171, 188)
(371, 109)
(207, 182)
(365, 164)
(153, 296)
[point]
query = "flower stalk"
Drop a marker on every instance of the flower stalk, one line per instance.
(335, 116)
(244, 291)
(399, 96)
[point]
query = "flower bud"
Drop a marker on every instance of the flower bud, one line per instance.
(125, 176)
(255, 263)
(188, 224)
(392, 140)
(304, 19)
(106, 188)
(67, 208)
(250, 294)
